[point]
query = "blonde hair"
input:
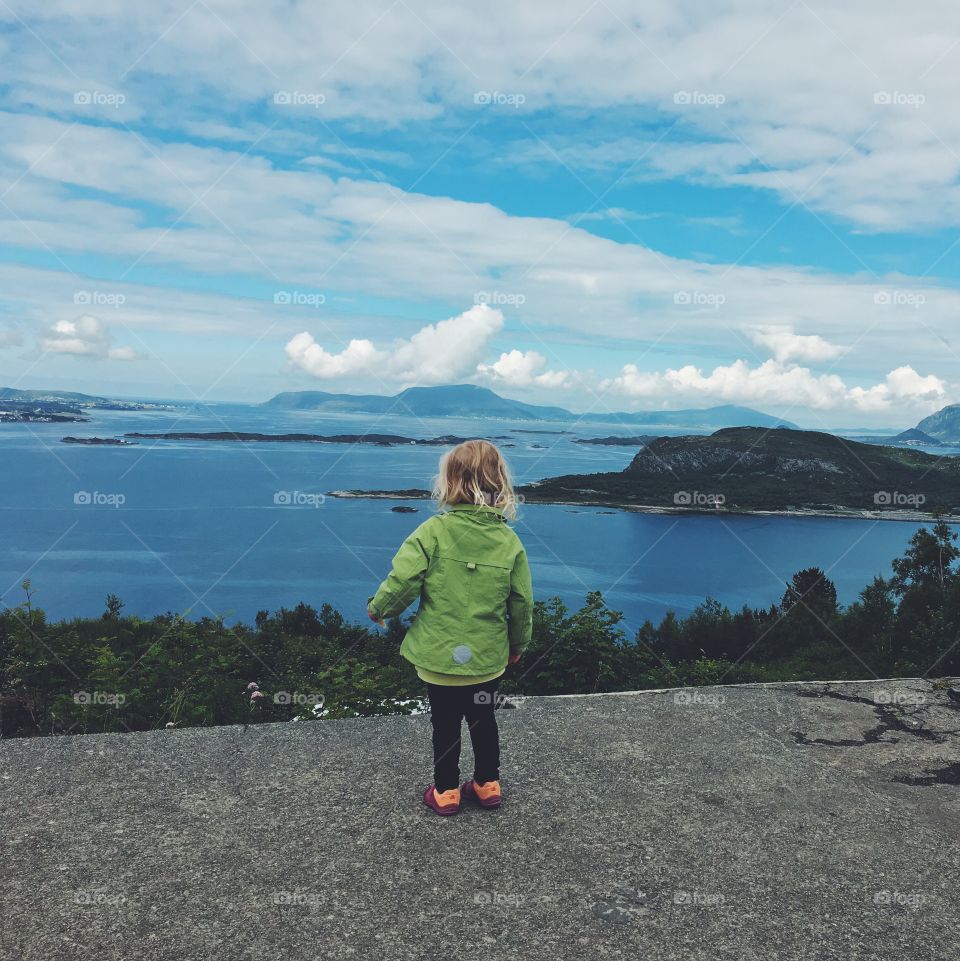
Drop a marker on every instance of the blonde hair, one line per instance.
(475, 472)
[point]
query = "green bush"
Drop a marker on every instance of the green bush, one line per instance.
(124, 673)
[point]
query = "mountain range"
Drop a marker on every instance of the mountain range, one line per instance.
(469, 400)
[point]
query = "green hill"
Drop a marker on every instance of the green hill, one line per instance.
(49, 396)
(747, 468)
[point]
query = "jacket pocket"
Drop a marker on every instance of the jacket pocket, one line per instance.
(471, 589)
(489, 590)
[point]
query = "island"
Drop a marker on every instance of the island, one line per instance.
(407, 494)
(39, 412)
(756, 471)
(907, 438)
(73, 400)
(98, 441)
(380, 440)
(641, 440)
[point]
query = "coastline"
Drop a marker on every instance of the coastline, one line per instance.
(912, 517)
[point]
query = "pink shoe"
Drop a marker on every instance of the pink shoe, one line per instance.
(486, 795)
(443, 803)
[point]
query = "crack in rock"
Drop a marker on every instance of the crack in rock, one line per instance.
(890, 719)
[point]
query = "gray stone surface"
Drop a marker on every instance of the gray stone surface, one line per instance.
(765, 822)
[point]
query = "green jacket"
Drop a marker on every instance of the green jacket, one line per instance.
(470, 572)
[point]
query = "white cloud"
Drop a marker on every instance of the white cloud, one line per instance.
(358, 357)
(518, 368)
(87, 336)
(259, 220)
(848, 107)
(435, 354)
(903, 385)
(442, 352)
(782, 385)
(785, 345)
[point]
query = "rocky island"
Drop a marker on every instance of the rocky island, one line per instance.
(755, 470)
(640, 440)
(381, 440)
(39, 412)
(98, 441)
(780, 470)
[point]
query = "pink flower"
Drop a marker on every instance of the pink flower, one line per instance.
(253, 686)
(256, 695)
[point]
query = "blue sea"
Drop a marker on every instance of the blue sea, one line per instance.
(228, 529)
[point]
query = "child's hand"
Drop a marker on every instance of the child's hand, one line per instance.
(376, 620)
(514, 659)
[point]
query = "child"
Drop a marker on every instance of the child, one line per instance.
(470, 572)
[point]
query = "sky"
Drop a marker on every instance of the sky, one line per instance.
(600, 205)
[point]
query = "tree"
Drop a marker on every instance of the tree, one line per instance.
(928, 560)
(813, 589)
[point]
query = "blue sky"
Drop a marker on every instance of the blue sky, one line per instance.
(580, 204)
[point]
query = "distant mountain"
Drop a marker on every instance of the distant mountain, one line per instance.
(944, 425)
(907, 438)
(749, 468)
(61, 396)
(12, 395)
(725, 415)
(459, 400)
(914, 437)
(469, 400)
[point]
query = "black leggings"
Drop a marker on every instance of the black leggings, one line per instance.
(448, 707)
